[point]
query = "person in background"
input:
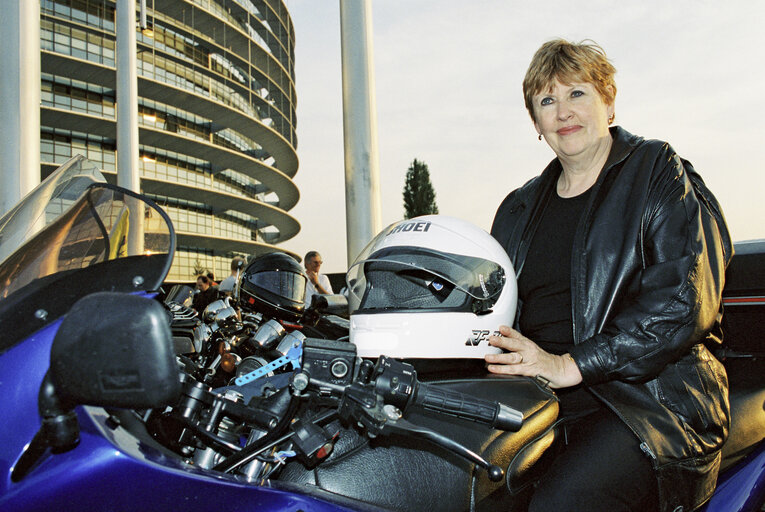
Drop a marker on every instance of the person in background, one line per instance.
(620, 251)
(237, 266)
(211, 277)
(317, 283)
(205, 295)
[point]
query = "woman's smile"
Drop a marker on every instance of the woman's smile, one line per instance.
(568, 130)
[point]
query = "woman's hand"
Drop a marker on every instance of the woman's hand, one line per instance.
(524, 357)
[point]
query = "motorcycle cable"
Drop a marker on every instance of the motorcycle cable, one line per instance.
(209, 438)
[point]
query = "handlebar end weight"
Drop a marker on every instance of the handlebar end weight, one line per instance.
(508, 418)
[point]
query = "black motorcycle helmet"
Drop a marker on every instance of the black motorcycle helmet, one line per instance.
(274, 284)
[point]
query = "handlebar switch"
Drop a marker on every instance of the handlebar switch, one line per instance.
(312, 442)
(395, 381)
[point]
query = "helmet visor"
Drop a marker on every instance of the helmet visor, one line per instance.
(288, 285)
(404, 278)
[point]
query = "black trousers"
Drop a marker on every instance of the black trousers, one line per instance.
(601, 467)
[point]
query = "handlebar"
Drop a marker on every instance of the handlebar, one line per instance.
(374, 397)
(457, 404)
(397, 383)
(379, 394)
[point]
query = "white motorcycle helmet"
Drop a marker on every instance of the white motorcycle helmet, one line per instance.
(431, 287)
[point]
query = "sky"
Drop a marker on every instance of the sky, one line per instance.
(448, 80)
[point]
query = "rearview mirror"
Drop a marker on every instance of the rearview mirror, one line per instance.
(115, 350)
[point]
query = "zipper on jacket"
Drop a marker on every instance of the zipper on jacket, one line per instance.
(580, 239)
(643, 444)
(647, 450)
(582, 231)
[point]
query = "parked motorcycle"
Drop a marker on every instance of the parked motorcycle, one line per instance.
(255, 325)
(114, 400)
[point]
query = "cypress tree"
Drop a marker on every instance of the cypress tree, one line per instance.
(419, 196)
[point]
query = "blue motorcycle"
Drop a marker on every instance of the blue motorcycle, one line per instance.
(118, 396)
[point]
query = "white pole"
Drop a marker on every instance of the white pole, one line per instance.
(142, 23)
(363, 215)
(128, 175)
(127, 97)
(19, 101)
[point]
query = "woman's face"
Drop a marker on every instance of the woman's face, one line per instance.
(572, 118)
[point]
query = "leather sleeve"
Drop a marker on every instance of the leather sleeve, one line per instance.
(675, 297)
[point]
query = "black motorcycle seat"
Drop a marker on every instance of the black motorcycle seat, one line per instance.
(747, 404)
(406, 474)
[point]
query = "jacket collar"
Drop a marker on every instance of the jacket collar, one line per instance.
(533, 196)
(624, 143)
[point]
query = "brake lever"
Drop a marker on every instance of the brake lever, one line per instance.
(400, 425)
(359, 402)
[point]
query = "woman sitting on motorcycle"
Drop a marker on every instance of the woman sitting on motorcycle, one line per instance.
(620, 252)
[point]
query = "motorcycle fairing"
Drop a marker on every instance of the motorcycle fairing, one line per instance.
(111, 469)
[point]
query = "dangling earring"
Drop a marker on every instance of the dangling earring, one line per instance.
(611, 118)
(540, 136)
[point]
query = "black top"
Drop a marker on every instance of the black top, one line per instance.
(204, 298)
(544, 285)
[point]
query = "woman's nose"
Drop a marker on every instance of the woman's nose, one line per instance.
(564, 111)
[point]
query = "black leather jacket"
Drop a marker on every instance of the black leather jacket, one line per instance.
(648, 267)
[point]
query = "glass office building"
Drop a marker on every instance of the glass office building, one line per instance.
(217, 125)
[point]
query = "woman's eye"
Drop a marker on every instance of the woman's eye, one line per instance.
(546, 101)
(577, 93)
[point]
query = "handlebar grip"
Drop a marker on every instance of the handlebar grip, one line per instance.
(465, 406)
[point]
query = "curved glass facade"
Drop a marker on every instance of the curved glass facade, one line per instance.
(216, 85)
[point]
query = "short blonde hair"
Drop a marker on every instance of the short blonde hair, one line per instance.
(568, 62)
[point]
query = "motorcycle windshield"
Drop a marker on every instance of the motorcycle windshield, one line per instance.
(106, 239)
(46, 203)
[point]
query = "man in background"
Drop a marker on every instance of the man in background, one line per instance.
(237, 266)
(317, 283)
